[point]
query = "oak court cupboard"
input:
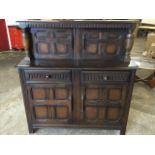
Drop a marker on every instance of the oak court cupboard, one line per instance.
(78, 73)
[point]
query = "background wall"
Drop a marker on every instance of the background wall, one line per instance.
(11, 22)
(148, 21)
(4, 36)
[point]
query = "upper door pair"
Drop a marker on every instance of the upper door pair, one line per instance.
(78, 47)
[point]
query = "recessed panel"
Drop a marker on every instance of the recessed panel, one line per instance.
(38, 93)
(92, 93)
(61, 48)
(61, 93)
(113, 114)
(41, 112)
(61, 112)
(91, 48)
(111, 49)
(115, 94)
(43, 48)
(91, 113)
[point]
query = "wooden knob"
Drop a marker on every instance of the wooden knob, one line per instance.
(105, 78)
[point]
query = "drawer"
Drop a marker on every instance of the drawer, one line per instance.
(47, 76)
(105, 76)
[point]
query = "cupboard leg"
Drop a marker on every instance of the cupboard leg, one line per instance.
(123, 131)
(31, 130)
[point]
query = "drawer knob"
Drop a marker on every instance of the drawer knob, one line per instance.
(47, 76)
(105, 78)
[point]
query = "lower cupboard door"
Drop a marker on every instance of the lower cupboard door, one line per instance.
(103, 103)
(50, 103)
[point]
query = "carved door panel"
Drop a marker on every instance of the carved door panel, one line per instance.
(103, 103)
(51, 102)
(99, 44)
(52, 43)
(103, 97)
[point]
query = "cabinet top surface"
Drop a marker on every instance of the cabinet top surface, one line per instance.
(83, 20)
(79, 23)
(25, 63)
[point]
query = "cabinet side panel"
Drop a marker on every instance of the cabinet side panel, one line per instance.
(128, 101)
(25, 99)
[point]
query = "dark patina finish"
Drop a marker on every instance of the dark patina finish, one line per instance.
(78, 74)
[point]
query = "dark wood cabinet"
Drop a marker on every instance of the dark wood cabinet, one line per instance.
(78, 74)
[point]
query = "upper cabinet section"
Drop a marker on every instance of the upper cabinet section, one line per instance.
(79, 43)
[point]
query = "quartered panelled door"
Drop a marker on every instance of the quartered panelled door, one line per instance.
(53, 44)
(51, 102)
(102, 46)
(103, 103)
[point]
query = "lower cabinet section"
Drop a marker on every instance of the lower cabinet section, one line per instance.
(76, 97)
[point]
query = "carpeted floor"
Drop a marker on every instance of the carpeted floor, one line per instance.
(12, 115)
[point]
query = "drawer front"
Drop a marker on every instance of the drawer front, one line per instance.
(48, 76)
(52, 43)
(105, 76)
